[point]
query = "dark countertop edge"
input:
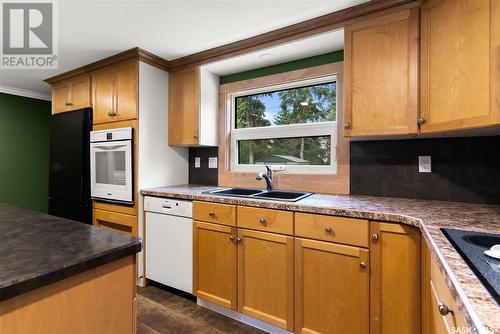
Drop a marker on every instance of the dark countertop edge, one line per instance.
(68, 271)
(451, 280)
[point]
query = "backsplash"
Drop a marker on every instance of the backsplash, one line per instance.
(463, 169)
(202, 175)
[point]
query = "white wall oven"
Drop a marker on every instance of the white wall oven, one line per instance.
(111, 165)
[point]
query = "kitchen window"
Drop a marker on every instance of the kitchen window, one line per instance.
(291, 127)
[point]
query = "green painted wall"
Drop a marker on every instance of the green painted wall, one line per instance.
(24, 151)
(326, 58)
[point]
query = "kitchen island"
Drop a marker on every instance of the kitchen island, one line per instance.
(61, 276)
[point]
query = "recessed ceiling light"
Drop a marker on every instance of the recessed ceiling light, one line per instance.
(266, 56)
(304, 103)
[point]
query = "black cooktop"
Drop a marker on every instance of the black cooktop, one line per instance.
(471, 246)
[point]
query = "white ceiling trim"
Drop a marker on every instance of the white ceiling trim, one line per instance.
(24, 92)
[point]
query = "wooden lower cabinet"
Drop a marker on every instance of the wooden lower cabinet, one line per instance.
(265, 277)
(332, 288)
(116, 222)
(436, 295)
(214, 263)
(394, 279)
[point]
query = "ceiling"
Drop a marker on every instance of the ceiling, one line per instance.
(92, 30)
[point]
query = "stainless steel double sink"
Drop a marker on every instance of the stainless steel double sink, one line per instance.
(274, 195)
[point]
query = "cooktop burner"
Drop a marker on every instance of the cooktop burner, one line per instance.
(471, 246)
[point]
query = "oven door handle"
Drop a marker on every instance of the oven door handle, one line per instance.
(109, 148)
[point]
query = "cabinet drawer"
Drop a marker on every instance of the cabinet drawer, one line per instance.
(269, 220)
(336, 229)
(116, 222)
(215, 213)
(441, 295)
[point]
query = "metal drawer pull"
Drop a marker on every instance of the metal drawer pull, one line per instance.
(362, 265)
(444, 309)
(231, 237)
(262, 221)
(211, 213)
(239, 240)
(374, 236)
(328, 230)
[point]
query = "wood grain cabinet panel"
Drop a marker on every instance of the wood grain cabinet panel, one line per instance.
(381, 75)
(72, 94)
(215, 213)
(115, 93)
(214, 263)
(116, 222)
(332, 288)
(460, 70)
(349, 231)
(394, 279)
(60, 97)
(265, 277)
(269, 220)
(184, 107)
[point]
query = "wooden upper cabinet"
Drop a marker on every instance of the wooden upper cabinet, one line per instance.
(71, 94)
(460, 70)
(394, 279)
(381, 75)
(332, 288)
(265, 277)
(214, 263)
(115, 93)
(193, 107)
(184, 107)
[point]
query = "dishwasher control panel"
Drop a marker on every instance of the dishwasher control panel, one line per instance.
(168, 206)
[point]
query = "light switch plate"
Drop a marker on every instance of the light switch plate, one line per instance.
(424, 164)
(212, 162)
(197, 162)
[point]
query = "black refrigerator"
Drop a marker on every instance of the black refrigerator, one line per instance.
(69, 170)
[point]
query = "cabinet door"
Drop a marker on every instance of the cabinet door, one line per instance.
(79, 94)
(394, 279)
(460, 64)
(126, 88)
(265, 277)
(60, 97)
(381, 75)
(332, 288)
(116, 222)
(184, 107)
(103, 97)
(214, 263)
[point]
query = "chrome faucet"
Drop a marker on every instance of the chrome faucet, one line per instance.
(268, 176)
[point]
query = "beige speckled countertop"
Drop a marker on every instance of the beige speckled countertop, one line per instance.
(472, 297)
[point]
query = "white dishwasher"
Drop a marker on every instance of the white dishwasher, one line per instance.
(169, 242)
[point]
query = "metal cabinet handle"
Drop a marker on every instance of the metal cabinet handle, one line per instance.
(444, 309)
(66, 103)
(421, 120)
(262, 220)
(111, 113)
(328, 230)
(211, 214)
(70, 103)
(362, 265)
(347, 125)
(195, 136)
(231, 237)
(374, 236)
(239, 240)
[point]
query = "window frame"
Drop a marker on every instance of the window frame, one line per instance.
(328, 128)
(321, 183)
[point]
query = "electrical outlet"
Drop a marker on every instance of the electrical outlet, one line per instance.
(424, 164)
(212, 162)
(197, 162)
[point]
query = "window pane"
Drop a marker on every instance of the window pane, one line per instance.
(285, 151)
(308, 104)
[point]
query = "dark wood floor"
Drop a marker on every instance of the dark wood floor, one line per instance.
(159, 311)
